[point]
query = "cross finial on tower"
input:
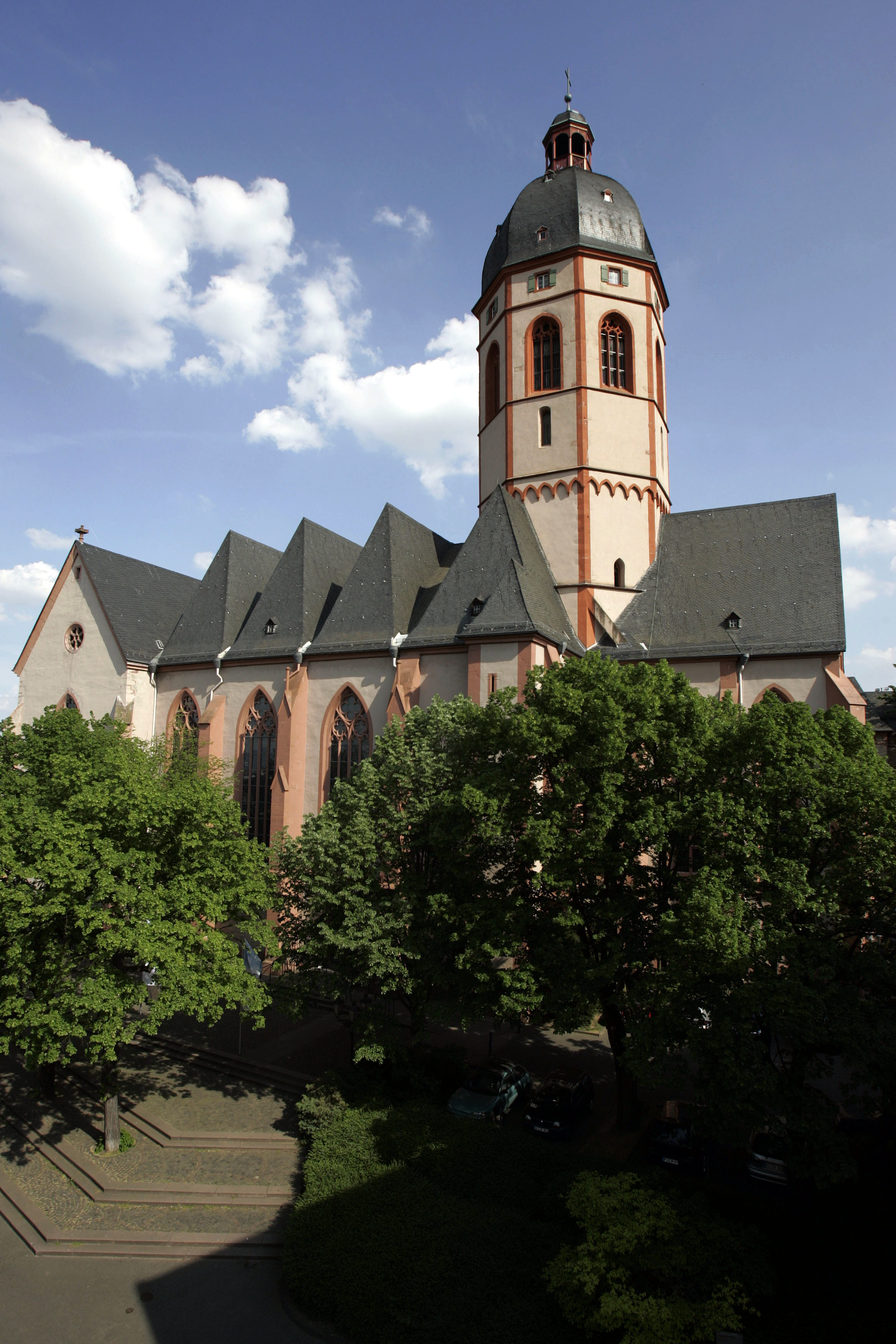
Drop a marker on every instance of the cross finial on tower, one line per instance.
(82, 532)
(568, 96)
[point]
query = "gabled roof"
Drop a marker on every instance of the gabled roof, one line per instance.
(774, 566)
(389, 583)
(142, 601)
(300, 594)
(223, 600)
(502, 567)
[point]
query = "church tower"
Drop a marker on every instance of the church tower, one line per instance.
(572, 404)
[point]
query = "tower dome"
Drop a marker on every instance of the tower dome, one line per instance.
(568, 206)
(571, 207)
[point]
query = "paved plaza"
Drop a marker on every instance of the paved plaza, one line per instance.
(179, 1237)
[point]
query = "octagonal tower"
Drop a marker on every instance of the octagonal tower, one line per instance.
(572, 405)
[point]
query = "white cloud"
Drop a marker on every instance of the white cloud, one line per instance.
(202, 559)
(426, 412)
(867, 535)
(45, 540)
(412, 221)
(104, 257)
(23, 585)
(873, 668)
(859, 586)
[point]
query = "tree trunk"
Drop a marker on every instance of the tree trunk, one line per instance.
(628, 1103)
(111, 1121)
(46, 1080)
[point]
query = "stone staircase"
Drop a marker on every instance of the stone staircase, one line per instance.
(212, 1172)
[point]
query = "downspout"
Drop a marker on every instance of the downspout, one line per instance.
(741, 664)
(301, 651)
(154, 663)
(395, 644)
(211, 694)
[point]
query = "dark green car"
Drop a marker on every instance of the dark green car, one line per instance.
(490, 1090)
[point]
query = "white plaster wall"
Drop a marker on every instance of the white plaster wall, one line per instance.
(371, 678)
(555, 521)
(620, 530)
(239, 683)
(703, 674)
(492, 455)
(443, 675)
(803, 678)
(530, 459)
(500, 660)
(94, 674)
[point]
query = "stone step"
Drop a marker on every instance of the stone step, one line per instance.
(71, 1159)
(44, 1237)
(282, 1080)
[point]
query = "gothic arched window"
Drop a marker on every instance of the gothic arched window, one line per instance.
(545, 354)
(619, 574)
(185, 726)
(492, 382)
(350, 738)
(615, 352)
(259, 757)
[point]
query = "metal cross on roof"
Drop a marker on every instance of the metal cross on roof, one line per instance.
(82, 532)
(568, 98)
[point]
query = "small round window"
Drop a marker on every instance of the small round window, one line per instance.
(74, 638)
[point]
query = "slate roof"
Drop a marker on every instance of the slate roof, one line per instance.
(299, 595)
(501, 565)
(776, 566)
(223, 600)
(142, 601)
(390, 583)
(570, 204)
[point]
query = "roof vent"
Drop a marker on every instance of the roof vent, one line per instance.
(270, 626)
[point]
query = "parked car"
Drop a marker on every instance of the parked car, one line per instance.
(673, 1142)
(490, 1090)
(560, 1104)
(767, 1160)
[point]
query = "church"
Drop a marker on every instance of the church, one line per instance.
(286, 665)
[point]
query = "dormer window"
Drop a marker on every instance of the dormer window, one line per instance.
(607, 194)
(476, 606)
(541, 234)
(270, 626)
(732, 621)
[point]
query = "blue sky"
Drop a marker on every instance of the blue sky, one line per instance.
(238, 250)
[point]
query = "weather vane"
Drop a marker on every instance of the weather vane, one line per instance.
(568, 98)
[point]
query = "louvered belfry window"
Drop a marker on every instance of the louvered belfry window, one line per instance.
(349, 738)
(545, 354)
(614, 361)
(259, 763)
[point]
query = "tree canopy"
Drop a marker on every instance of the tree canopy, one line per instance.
(112, 865)
(717, 883)
(391, 887)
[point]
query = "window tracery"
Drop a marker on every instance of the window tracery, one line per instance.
(259, 760)
(615, 361)
(350, 738)
(545, 354)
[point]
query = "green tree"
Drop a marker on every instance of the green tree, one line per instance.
(112, 866)
(399, 886)
(624, 772)
(786, 937)
(654, 1268)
